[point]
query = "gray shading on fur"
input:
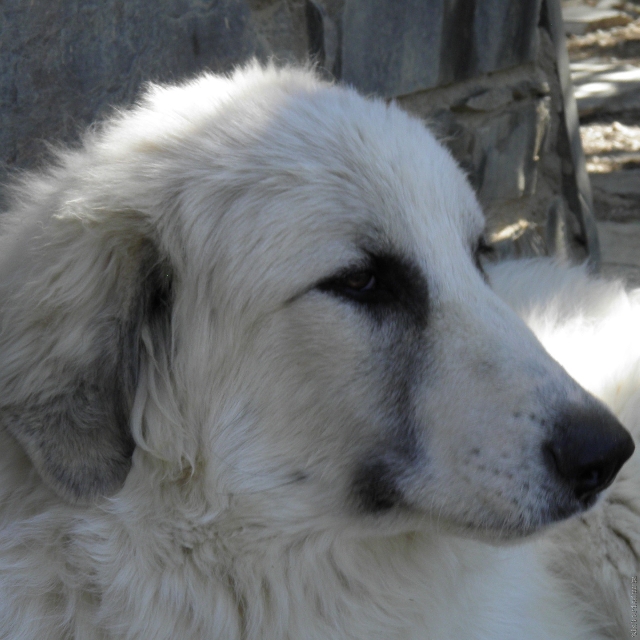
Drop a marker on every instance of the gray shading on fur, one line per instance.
(76, 432)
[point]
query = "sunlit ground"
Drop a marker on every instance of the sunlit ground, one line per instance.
(605, 69)
(610, 147)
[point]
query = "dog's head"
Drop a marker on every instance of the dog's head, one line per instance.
(270, 287)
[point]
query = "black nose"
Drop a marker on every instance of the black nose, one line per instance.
(587, 449)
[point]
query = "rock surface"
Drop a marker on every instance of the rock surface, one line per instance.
(485, 73)
(66, 62)
(606, 73)
(605, 86)
(394, 48)
(579, 20)
(620, 246)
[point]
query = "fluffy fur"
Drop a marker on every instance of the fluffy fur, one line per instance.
(254, 386)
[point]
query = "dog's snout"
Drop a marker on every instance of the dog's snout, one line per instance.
(588, 448)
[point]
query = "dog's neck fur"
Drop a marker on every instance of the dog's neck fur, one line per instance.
(276, 588)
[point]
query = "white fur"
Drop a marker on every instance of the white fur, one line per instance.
(252, 408)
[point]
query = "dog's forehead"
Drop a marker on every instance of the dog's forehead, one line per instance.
(290, 180)
(334, 174)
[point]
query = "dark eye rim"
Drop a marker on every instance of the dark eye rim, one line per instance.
(398, 289)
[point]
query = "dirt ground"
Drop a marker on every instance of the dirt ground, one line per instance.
(605, 65)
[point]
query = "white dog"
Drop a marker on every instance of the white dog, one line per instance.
(254, 384)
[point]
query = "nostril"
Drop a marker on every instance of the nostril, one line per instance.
(595, 479)
(590, 479)
(588, 449)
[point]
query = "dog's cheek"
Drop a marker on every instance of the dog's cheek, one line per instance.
(327, 397)
(306, 386)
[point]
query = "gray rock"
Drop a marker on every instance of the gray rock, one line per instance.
(625, 183)
(394, 48)
(506, 150)
(582, 19)
(322, 35)
(483, 71)
(490, 100)
(605, 86)
(519, 240)
(619, 245)
(576, 187)
(65, 62)
(616, 195)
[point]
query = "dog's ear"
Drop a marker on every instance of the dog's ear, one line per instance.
(77, 293)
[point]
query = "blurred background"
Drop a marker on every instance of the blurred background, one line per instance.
(539, 100)
(604, 52)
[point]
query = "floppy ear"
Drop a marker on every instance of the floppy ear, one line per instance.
(76, 292)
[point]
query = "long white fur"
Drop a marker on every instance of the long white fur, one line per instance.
(210, 536)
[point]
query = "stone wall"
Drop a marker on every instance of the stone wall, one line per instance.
(489, 79)
(484, 73)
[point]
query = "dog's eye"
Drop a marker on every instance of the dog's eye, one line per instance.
(360, 281)
(359, 284)
(482, 249)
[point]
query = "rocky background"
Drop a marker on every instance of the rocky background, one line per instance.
(604, 50)
(490, 76)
